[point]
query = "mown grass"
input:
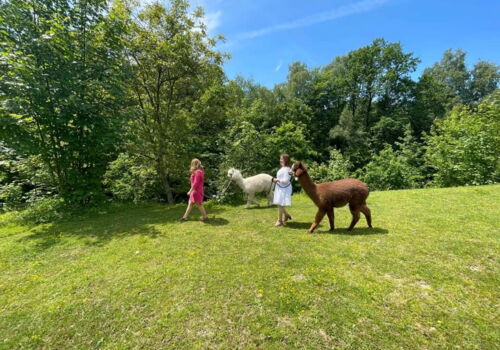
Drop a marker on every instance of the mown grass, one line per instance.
(131, 276)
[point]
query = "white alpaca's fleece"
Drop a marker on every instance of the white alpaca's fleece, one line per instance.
(252, 185)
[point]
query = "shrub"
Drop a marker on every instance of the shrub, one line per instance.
(464, 149)
(23, 180)
(11, 196)
(129, 178)
(337, 167)
(45, 210)
(396, 168)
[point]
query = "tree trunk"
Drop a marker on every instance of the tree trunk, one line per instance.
(161, 169)
(168, 190)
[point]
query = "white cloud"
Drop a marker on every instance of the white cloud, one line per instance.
(278, 67)
(342, 11)
(212, 20)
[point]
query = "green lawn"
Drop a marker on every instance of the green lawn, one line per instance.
(131, 276)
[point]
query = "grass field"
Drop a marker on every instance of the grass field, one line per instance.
(131, 276)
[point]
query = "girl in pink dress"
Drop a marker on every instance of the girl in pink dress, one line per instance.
(196, 191)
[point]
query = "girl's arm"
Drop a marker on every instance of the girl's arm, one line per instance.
(198, 179)
(284, 178)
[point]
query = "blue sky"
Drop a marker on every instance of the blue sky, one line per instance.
(265, 36)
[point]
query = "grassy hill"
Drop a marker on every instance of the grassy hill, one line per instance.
(132, 276)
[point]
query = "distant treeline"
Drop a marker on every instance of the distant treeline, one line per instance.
(100, 99)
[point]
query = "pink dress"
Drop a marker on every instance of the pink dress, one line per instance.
(196, 195)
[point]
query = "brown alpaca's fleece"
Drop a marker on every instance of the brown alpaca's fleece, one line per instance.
(329, 195)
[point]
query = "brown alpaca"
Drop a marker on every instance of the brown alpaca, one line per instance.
(329, 195)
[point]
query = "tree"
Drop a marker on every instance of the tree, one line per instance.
(396, 167)
(452, 71)
(463, 85)
(173, 63)
(289, 138)
(376, 83)
(298, 81)
(327, 100)
(378, 75)
(337, 168)
(61, 79)
(432, 101)
(463, 149)
(485, 77)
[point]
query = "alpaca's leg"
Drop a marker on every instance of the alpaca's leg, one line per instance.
(249, 200)
(368, 215)
(355, 216)
(256, 202)
(270, 196)
(319, 216)
(331, 218)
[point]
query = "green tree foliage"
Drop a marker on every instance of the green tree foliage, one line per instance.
(336, 168)
(22, 179)
(464, 149)
(289, 138)
(130, 178)
(485, 77)
(100, 94)
(377, 84)
(452, 71)
(396, 167)
(61, 79)
(246, 149)
(432, 101)
(173, 65)
(327, 100)
(463, 85)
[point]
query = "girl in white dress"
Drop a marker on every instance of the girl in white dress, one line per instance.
(283, 190)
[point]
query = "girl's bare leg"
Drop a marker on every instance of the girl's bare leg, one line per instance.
(188, 210)
(286, 214)
(202, 211)
(280, 216)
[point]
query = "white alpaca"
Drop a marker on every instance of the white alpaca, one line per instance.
(252, 185)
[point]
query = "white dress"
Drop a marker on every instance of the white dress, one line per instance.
(283, 188)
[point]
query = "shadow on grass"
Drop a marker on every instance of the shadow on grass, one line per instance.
(115, 223)
(338, 231)
(216, 222)
(253, 207)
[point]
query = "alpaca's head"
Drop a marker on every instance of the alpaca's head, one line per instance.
(233, 173)
(298, 169)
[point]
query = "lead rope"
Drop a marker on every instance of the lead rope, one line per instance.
(272, 187)
(219, 196)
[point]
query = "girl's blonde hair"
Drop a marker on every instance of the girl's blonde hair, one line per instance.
(195, 165)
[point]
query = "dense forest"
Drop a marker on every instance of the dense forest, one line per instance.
(102, 99)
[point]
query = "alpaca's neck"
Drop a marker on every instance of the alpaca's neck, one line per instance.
(309, 186)
(238, 179)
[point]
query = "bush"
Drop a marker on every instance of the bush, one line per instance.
(464, 149)
(129, 178)
(336, 168)
(289, 138)
(11, 196)
(23, 180)
(396, 168)
(45, 210)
